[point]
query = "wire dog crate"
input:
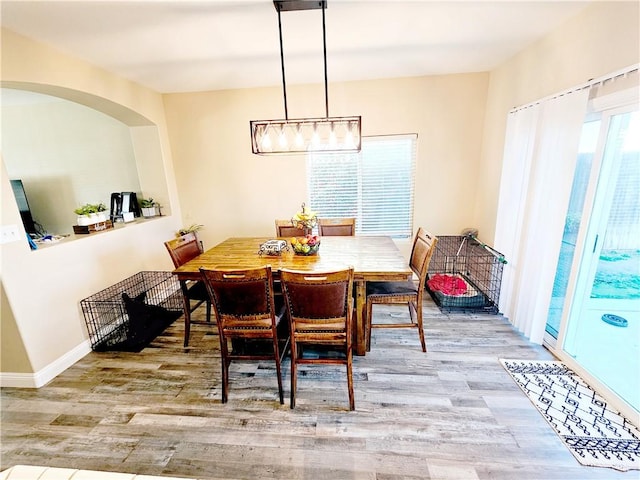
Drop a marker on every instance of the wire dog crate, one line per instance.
(465, 274)
(106, 315)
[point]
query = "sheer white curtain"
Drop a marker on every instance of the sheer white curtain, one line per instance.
(514, 183)
(539, 161)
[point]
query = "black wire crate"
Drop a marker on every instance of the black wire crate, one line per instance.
(153, 298)
(465, 274)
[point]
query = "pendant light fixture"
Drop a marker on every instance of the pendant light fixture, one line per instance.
(303, 135)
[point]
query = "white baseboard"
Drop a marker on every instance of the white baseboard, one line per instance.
(48, 373)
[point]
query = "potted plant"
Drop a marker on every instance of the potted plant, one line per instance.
(91, 213)
(194, 228)
(148, 207)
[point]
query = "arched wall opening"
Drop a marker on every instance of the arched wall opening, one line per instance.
(70, 148)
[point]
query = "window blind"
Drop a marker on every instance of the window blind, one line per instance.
(376, 186)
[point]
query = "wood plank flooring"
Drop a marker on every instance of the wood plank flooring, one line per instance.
(452, 413)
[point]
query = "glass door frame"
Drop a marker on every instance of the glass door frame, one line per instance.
(584, 241)
(597, 222)
(596, 158)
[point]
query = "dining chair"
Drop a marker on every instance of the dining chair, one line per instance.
(244, 307)
(319, 307)
(285, 229)
(407, 293)
(194, 293)
(343, 227)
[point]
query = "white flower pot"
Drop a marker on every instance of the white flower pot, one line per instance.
(92, 218)
(149, 211)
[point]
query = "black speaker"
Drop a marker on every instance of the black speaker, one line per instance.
(124, 202)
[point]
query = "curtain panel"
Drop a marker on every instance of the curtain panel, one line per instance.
(540, 155)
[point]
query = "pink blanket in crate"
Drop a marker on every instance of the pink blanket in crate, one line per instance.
(448, 284)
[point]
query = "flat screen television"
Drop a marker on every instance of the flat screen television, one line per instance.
(23, 206)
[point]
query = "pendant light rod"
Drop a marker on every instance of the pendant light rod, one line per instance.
(324, 51)
(303, 5)
(284, 82)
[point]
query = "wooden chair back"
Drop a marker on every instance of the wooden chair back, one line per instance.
(184, 248)
(421, 252)
(242, 300)
(343, 227)
(244, 308)
(319, 307)
(286, 230)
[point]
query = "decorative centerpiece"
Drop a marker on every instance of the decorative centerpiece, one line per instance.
(273, 248)
(305, 220)
(307, 245)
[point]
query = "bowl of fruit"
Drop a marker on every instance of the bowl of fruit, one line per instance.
(307, 245)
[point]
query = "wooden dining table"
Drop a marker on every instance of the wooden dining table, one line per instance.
(372, 258)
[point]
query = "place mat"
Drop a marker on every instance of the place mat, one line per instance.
(594, 433)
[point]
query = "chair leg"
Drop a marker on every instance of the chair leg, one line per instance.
(418, 309)
(368, 324)
(208, 303)
(352, 402)
(276, 352)
(187, 329)
(294, 373)
(225, 361)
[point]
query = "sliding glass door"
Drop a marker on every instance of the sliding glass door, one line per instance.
(573, 221)
(595, 309)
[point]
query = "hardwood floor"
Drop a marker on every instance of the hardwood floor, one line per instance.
(452, 413)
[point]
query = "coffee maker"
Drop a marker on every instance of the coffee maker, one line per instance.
(124, 205)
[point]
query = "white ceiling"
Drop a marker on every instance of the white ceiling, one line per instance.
(182, 46)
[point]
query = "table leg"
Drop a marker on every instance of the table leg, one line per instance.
(359, 347)
(187, 311)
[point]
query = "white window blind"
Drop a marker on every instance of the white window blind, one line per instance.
(375, 186)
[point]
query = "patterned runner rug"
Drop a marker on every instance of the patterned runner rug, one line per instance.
(596, 435)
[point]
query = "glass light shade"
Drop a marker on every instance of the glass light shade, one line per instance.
(297, 136)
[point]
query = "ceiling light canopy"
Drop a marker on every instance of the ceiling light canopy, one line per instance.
(303, 135)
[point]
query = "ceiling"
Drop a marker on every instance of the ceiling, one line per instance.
(183, 46)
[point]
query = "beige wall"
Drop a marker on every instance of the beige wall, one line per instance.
(13, 356)
(44, 287)
(604, 38)
(233, 192)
